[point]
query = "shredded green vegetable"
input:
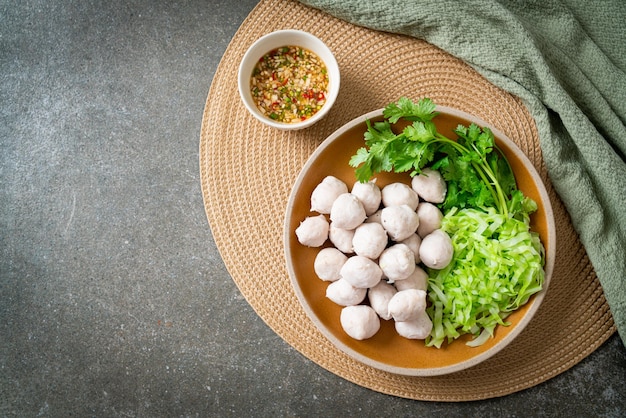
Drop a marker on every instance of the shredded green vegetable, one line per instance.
(497, 266)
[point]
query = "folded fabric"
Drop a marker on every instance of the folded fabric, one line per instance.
(567, 61)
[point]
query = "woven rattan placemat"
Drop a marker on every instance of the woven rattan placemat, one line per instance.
(248, 170)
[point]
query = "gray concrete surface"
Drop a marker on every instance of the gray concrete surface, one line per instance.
(113, 298)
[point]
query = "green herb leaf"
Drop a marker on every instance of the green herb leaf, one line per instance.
(421, 131)
(424, 110)
(476, 172)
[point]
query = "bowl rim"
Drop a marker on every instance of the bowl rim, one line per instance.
(256, 50)
(464, 364)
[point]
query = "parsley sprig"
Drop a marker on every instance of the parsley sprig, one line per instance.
(476, 172)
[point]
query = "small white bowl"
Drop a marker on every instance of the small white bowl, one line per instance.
(275, 40)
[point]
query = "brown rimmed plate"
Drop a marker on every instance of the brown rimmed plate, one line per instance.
(388, 351)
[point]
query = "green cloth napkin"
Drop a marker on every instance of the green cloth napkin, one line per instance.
(567, 61)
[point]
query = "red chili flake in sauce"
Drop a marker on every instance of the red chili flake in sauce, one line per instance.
(289, 84)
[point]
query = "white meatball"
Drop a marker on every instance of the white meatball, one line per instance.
(375, 217)
(347, 211)
(361, 272)
(328, 263)
(397, 262)
(400, 222)
(430, 186)
(430, 218)
(369, 240)
(343, 293)
(379, 297)
(325, 194)
(369, 194)
(417, 280)
(359, 322)
(341, 238)
(436, 250)
(407, 304)
(313, 231)
(416, 329)
(413, 242)
(396, 194)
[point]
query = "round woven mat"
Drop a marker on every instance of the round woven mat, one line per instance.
(248, 170)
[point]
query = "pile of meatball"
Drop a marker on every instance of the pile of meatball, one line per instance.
(381, 238)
